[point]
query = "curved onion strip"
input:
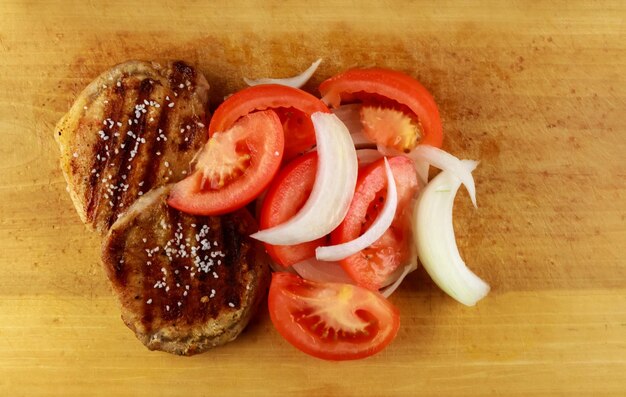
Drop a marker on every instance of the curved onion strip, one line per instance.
(447, 162)
(335, 180)
(322, 272)
(395, 279)
(367, 156)
(295, 81)
(373, 233)
(421, 167)
(434, 236)
(390, 289)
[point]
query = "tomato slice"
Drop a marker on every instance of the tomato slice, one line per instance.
(371, 267)
(293, 106)
(389, 90)
(233, 168)
(330, 320)
(285, 197)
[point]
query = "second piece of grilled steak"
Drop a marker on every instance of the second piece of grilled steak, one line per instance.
(136, 126)
(185, 283)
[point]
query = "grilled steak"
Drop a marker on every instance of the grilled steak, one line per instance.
(185, 283)
(136, 126)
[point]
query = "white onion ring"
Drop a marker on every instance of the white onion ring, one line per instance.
(395, 279)
(373, 233)
(434, 236)
(295, 81)
(421, 167)
(322, 272)
(391, 288)
(447, 162)
(335, 180)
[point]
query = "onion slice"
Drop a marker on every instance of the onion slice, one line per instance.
(390, 289)
(295, 81)
(447, 162)
(373, 233)
(335, 180)
(434, 236)
(396, 278)
(421, 166)
(322, 272)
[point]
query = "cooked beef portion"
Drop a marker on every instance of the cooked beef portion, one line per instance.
(135, 127)
(185, 283)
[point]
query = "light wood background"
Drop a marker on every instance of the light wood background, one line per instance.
(535, 90)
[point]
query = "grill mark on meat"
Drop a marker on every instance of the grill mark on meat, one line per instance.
(183, 278)
(149, 275)
(190, 133)
(145, 89)
(232, 247)
(154, 166)
(98, 187)
(205, 284)
(93, 193)
(193, 304)
(182, 74)
(169, 266)
(145, 156)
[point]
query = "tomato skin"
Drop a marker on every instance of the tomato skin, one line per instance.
(390, 84)
(262, 138)
(286, 195)
(293, 106)
(310, 316)
(371, 267)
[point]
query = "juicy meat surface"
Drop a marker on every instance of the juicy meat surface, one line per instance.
(185, 283)
(136, 126)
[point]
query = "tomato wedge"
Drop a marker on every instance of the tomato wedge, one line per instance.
(286, 195)
(371, 267)
(293, 106)
(233, 168)
(329, 320)
(387, 95)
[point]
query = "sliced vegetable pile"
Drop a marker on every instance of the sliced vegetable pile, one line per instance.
(345, 203)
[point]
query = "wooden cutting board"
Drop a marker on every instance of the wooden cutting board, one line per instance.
(534, 90)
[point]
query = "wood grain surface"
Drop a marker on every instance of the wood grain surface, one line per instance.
(535, 90)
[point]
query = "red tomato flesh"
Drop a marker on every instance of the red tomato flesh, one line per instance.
(371, 267)
(388, 89)
(285, 197)
(233, 168)
(329, 320)
(293, 106)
